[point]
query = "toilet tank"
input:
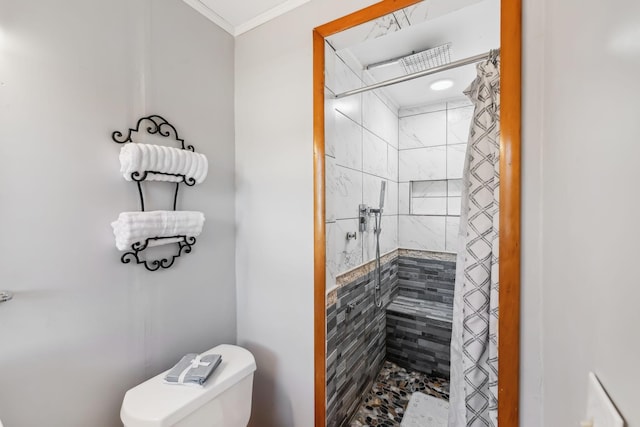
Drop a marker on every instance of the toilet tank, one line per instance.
(224, 401)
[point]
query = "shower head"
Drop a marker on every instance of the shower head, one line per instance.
(426, 59)
(383, 189)
(419, 61)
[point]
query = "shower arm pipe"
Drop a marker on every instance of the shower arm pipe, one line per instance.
(387, 61)
(449, 66)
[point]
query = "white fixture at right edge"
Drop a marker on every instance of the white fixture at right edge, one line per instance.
(224, 401)
(601, 412)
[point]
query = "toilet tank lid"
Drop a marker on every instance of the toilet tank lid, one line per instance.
(156, 404)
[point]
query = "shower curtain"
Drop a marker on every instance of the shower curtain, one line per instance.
(474, 343)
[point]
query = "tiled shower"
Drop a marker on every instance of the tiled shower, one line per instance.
(420, 152)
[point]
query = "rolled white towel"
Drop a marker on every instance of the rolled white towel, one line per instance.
(139, 158)
(132, 227)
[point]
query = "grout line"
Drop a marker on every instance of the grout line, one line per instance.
(434, 111)
(365, 173)
(432, 146)
(362, 129)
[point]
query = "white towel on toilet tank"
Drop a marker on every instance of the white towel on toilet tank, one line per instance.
(157, 158)
(132, 227)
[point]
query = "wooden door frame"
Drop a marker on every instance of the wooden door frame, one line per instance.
(510, 129)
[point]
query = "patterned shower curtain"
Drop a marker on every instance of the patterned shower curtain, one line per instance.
(474, 343)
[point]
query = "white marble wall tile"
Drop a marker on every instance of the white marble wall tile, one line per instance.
(366, 31)
(454, 204)
(388, 238)
(374, 154)
(386, 99)
(379, 119)
(391, 201)
(368, 244)
(343, 192)
(417, 13)
(368, 79)
(421, 109)
(392, 163)
(344, 78)
(330, 188)
(429, 206)
(455, 160)
(382, 26)
(329, 67)
(402, 19)
(422, 232)
(351, 106)
(458, 122)
(403, 198)
(329, 124)
(423, 164)
(459, 103)
(350, 60)
(348, 252)
(371, 190)
(331, 255)
(392, 208)
(452, 229)
(454, 187)
(429, 189)
(348, 142)
(423, 130)
(388, 24)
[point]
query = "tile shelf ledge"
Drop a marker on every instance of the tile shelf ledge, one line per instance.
(364, 269)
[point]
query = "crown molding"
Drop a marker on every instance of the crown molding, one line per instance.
(211, 15)
(267, 16)
(249, 25)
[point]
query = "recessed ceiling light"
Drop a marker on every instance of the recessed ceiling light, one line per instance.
(441, 84)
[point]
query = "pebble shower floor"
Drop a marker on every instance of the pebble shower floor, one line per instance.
(385, 403)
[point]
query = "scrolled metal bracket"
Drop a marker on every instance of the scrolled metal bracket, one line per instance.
(137, 248)
(156, 125)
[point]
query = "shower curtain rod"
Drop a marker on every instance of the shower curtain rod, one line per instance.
(449, 66)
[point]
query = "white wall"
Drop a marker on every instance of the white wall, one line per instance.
(274, 172)
(72, 72)
(531, 408)
(590, 204)
(83, 328)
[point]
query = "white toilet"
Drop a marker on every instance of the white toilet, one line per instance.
(224, 401)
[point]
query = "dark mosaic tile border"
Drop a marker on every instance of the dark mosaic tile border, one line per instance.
(356, 342)
(419, 319)
(426, 279)
(357, 273)
(415, 332)
(420, 340)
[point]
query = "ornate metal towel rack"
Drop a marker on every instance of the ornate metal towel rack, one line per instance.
(156, 125)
